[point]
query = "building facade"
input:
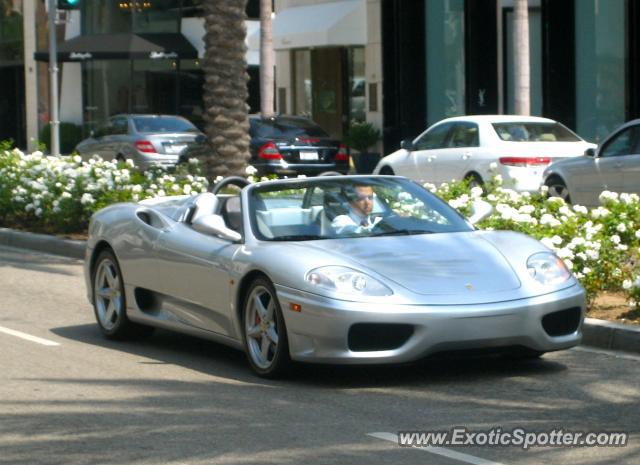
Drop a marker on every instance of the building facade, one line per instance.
(329, 68)
(453, 57)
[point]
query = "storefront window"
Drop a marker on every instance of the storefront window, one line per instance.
(357, 84)
(10, 36)
(141, 16)
(302, 82)
(600, 67)
(445, 59)
(107, 90)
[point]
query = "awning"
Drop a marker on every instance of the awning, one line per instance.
(123, 46)
(340, 23)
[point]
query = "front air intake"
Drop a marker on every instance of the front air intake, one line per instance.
(367, 337)
(562, 322)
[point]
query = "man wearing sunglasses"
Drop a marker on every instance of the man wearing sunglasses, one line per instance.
(358, 219)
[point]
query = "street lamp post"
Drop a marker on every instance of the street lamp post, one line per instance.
(53, 80)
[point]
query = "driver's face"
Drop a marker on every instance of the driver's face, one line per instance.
(363, 203)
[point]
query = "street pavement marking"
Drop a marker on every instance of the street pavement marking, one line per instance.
(452, 454)
(28, 337)
(612, 353)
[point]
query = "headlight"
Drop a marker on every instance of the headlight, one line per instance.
(344, 280)
(547, 268)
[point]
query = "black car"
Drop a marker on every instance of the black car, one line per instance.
(289, 146)
(292, 145)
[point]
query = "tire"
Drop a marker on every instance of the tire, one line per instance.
(264, 331)
(387, 170)
(109, 301)
(523, 354)
(558, 188)
(474, 180)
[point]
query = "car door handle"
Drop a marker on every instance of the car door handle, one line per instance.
(466, 156)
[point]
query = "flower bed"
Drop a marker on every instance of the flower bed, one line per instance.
(59, 194)
(600, 245)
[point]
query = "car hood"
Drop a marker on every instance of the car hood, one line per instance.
(432, 264)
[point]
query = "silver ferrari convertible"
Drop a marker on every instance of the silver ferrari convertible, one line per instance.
(333, 269)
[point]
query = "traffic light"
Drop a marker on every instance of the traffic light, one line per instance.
(68, 4)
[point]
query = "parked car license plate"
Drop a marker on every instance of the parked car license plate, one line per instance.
(308, 155)
(175, 148)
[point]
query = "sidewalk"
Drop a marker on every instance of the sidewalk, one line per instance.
(597, 333)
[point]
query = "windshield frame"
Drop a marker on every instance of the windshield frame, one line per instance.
(456, 221)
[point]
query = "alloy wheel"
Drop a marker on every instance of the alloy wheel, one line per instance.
(261, 327)
(108, 294)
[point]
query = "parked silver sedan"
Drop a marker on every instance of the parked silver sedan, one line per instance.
(147, 140)
(268, 272)
(614, 166)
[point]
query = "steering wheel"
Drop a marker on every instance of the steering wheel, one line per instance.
(230, 181)
(383, 225)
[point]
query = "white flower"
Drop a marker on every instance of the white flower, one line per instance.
(493, 166)
(580, 209)
(586, 270)
(130, 163)
(544, 190)
(621, 227)
(186, 189)
(568, 263)
(638, 233)
(608, 196)
(615, 239)
(250, 170)
(87, 199)
(76, 158)
(527, 209)
(476, 192)
(627, 284)
(193, 161)
(557, 240)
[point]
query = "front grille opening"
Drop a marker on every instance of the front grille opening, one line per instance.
(562, 322)
(367, 337)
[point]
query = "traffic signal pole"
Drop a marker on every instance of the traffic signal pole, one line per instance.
(53, 80)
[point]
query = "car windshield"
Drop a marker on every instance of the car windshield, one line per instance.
(285, 128)
(160, 124)
(348, 207)
(534, 132)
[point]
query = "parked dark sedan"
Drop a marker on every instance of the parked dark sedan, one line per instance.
(292, 145)
(289, 146)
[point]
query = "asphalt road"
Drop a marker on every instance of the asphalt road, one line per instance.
(172, 399)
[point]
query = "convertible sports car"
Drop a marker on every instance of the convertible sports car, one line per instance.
(265, 271)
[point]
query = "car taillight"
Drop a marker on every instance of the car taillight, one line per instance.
(525, 161)
(145, 146)
(269, 151)
(342, 154)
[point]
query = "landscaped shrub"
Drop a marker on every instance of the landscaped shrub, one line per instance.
(59, 194)
(70, 135)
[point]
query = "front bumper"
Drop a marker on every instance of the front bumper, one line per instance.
(321, 331)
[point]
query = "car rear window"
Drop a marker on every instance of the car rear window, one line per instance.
(284, 128)
(150, 124)
(534, 132)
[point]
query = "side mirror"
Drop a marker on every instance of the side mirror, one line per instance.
(479, 211)
(407, 144)
(200, 139)
(214, 225)
(590, 152)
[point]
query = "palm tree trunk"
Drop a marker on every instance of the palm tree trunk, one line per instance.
(225, 88)
(266, 59)
(521, 57)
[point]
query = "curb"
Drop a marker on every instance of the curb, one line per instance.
(612, 336)
(596, 333)
(43, 243)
